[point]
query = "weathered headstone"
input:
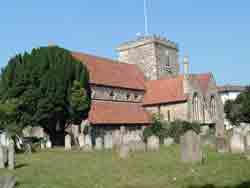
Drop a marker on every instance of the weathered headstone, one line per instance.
(98, 143)
(67, 142)
(75, 133)
(48, 143)
(42, 145)
(124, 151)
(81, 140)
(237, 144)
(37, 132)
(153, 143)
(117, 138)
(88, 143)
(2, 160)
(7, 182)
(222, 145)
(137, 146)
(27, 131)
(168, 141)
(247, 141)
(108, 141)
(191, 147)
(11, 155)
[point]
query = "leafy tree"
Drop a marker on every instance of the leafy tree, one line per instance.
(44, 87)
(238, 110)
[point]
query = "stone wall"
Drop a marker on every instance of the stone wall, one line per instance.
(152, 54)
(116, 94)
(178, 111)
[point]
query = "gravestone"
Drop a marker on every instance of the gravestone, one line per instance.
(81, 140)
(88, 143)
(247, 140)
(191, 147)
(98, 143)
(117, 138)
(42, 145)
(75, 132)
(237, 143)
(108, 141)
(48, 143)
(27, 131)
(2, 161)
(222, 145)
(37, 132)
(124, 151)
(153, 143)
(136, 146)
(7, 182)
(67, 142)
(168, 141)
(11, 155)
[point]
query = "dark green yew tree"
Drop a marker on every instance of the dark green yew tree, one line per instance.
(42, 88)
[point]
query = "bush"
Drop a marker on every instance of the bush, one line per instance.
(164, 129)
(177, 128)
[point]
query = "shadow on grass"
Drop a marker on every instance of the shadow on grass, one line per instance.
(21, 165)
(242, 185)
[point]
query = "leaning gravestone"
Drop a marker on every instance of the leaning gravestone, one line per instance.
(67, 142)
(108, 141)
(98, 143)
(75, 131)
(81, 140)
(153, 143)
(88, 143)
(7, 182)
(168, 141)
(237, 143)
(117, 138)
(11, 155)
(222, 145)
(191, 147)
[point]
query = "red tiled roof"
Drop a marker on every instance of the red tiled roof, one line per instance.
(170, 90)
(112, 73)
(106, 112)
(203, 80)
(164, 91)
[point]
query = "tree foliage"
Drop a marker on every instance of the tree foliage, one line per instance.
(43, 87)
(238, 110)
(174, 129)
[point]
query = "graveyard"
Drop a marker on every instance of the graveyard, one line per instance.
(57, 168)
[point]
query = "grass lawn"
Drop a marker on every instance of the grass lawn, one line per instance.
(60, 169)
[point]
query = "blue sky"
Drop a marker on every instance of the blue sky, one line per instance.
(215, 34)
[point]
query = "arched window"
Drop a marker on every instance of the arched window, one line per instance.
(196, 108)
(213, 107)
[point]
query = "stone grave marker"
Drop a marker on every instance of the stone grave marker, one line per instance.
(108, 141)
(81, 140)
(153, 143)
(11, 155)
(48, 143)
(124, 151)
(222, 145)
(7, 182)
(191, 147)
(237, 143)
(2, 160)
(88, 143)
(98, 143)
(67, 142)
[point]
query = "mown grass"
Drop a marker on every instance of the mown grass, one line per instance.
(60, 169)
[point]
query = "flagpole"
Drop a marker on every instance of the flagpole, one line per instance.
(145, 17)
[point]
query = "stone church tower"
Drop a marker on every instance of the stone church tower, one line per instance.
(156, 57)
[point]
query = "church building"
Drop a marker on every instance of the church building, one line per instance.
(146, 80)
